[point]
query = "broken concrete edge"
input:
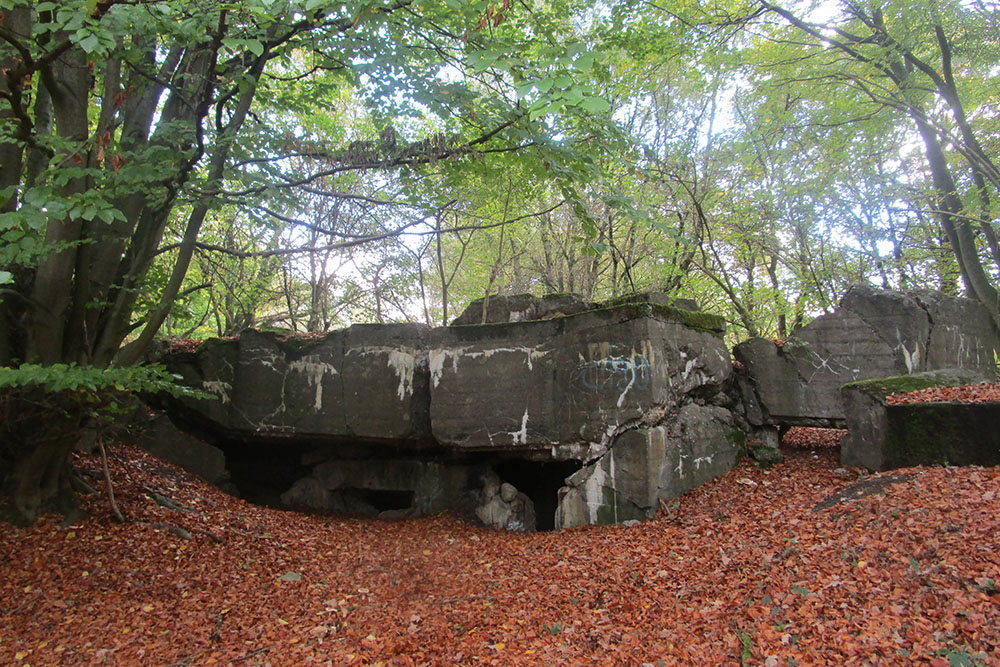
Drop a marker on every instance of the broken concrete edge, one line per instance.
(882, 388)
(693, 319)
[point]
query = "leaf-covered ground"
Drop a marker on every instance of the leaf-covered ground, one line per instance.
(893, 568)
(973, 393)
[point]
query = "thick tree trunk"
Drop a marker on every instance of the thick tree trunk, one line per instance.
(18, 23)
(956, 225)
(39, 447)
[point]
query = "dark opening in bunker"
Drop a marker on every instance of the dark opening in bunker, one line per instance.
(541, 483)
(262, 471)
(385, 501)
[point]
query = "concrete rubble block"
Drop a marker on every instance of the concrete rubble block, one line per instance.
(307, 492)
(432, 487)
(503, 507)
(492, 386)
(386, 381)
(656, 298)
(569, 385)
(647, 466)
(873, 334)
(795, 383)
(621, 367)
(882, 437)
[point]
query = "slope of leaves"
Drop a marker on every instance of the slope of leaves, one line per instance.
(745, 569)
(973, 393)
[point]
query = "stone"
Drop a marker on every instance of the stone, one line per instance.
(508, 492)
(503, 507)
(307, 492)
(765, 455)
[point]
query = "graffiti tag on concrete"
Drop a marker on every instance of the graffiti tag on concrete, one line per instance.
(618, 373)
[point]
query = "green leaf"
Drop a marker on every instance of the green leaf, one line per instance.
(524, 89)
(255, 46)
(595, 105)
(90, 43)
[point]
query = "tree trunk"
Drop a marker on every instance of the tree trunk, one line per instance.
(956, 225)
(40, 471)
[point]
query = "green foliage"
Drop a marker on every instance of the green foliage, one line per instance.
(90, 385)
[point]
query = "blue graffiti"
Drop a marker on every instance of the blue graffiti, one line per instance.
(619, 373)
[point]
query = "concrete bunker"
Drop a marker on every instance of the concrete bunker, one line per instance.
(561, 416)
(533, 413)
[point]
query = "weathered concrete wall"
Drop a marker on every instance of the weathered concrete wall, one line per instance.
(576, 387)
(873, 334)
(365, 382)
(638, 394)
(566, 388)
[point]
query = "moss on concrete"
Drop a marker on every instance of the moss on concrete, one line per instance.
(713, 324)
(903, 384)
(942, 434)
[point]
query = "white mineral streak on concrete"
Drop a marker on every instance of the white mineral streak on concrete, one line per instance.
(611, 474)
(912, 360)
(402, 363)
(438, 358)
(218, 387)
(314, 370)
(521, 437)
(402, 360)
(593, 492)
(435, 361)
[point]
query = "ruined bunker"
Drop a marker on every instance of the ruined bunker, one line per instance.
(533, 413)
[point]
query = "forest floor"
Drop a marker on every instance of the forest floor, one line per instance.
(807, 563)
